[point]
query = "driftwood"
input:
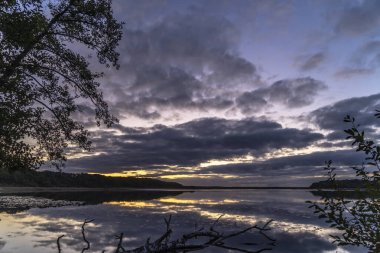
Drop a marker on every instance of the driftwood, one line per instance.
(213, 238)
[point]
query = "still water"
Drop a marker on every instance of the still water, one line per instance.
(32, 222)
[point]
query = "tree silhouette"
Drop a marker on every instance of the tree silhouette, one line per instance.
(43, 79)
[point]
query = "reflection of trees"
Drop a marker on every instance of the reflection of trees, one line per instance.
(357, 218)
(17, 202)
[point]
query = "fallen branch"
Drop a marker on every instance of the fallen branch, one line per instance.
(214, 238)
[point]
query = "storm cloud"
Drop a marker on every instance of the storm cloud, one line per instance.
(293, 170)
(331, 117)
(184, 61)
(190, 143)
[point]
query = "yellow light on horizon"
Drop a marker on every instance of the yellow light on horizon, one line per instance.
(130, 173)
(203, 176)
(197, 201)
(138, 204)
(215, 162)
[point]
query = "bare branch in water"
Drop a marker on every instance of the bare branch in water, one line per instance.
(84, 235)
(213, 237)
(58, 244)
(119, 245)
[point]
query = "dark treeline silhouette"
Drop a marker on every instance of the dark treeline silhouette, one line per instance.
(341, 193)
(34, 178)
(341, 184)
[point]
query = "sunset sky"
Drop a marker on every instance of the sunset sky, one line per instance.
(236, 93)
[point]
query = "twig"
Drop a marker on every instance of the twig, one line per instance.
(58, 244)
(84, 236)
(119, 245)
(216, 221)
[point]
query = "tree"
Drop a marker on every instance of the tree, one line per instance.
(357, 218)
(43, 79)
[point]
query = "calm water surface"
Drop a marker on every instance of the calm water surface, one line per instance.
(35, 228)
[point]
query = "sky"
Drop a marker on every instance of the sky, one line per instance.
(237, 93)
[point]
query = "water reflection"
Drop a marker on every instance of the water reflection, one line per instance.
(295, 228)
(16, 202)
(355, 213)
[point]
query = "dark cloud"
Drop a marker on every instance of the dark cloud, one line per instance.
(331, 117)
(311, 62)
(301, 170)
(301, 165)
(292, 93)
(363, 17)
(183, 61)
(251, 102)
(190, 143)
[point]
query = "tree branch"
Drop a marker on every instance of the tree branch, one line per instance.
(58, 243)
(84, 235)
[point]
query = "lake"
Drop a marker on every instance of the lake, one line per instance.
(31, 222)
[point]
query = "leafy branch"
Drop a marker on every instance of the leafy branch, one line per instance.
(358, 220)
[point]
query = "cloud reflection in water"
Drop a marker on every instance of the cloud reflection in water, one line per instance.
(295, 228)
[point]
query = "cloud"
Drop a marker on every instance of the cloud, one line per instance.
(349, 72)
(310, 62)
(331, 117)
(364, 61)
(297, 170)
(251, 102)
(368, 55)
(301, 165)
(183, 61)
(363, 17)
(292, 93)
(189, 144)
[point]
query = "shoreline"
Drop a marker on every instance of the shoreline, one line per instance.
(35, 189)
(26, 189)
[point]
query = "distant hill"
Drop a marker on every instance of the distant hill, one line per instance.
(33, 178)
(342, 184)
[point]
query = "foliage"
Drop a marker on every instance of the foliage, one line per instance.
(43, 79)
(358, 219)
